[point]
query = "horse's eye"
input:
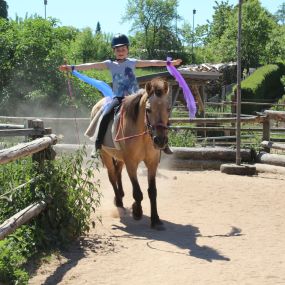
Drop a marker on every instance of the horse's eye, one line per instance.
(169, 110)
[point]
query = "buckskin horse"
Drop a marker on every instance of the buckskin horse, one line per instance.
(141, 134)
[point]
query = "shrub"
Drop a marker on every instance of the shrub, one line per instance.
(182, 138)
(73, 195)
(263, 84)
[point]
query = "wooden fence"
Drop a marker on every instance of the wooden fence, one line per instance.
(209, 131)
(226, 125)
(39, 146)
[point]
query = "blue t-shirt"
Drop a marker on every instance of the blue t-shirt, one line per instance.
(123, 77)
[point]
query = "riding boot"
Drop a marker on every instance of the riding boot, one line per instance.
(98, 144)
(167, 150)
(97, 147)
(102, 130)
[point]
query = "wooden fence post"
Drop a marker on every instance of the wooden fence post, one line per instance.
(37, 124)
(266, 132)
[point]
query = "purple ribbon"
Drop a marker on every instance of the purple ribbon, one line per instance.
(188, 96)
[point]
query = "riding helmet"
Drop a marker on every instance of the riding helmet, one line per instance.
(120, 40)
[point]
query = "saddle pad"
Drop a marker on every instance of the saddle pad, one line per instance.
(110, 133)
(109, 139)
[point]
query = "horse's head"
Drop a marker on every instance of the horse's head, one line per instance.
(157, 111)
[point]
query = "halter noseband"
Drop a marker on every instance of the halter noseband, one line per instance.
(151, 128)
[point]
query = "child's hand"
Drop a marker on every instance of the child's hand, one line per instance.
(65, 67)
(176, 61)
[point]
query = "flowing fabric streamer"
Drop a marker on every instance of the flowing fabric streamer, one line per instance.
(103, 87)
(188, 96)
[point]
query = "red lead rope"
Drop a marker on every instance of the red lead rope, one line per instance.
(72, 99)
(120, 127)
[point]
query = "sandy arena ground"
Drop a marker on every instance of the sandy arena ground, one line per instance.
(220, 229)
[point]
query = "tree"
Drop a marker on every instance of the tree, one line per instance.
(84, 46)
(275, 48)
(98, 28)
(152, 20)
(257, 27)
(30, 53)
(3, 9)
(221, 16)
(280, 14)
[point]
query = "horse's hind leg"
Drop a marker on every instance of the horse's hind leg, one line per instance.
(137, 193)
(114, 169)
(118, 168)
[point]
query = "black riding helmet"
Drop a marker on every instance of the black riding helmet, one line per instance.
(120, 40)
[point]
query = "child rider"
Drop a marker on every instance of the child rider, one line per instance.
(123, 78)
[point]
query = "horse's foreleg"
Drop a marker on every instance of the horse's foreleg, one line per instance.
(152, 194)
(137, 193)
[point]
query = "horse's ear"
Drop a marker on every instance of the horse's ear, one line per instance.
(166, 87)
(148, 88)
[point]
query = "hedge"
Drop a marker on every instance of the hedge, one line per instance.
(264, 85)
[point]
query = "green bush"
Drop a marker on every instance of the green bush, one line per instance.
(182, 138)
(72, 194)
(281, 100)
(263, 85)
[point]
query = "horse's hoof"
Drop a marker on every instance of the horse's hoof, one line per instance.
(118, 203)
(137, 211)
(157, 225)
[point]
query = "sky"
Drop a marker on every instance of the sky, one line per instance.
(86, 13)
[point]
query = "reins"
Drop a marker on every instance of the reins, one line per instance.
(121, 118)
(149, 128)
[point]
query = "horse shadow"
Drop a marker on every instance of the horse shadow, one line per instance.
(184, 237)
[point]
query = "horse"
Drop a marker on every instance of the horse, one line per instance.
(142, 133)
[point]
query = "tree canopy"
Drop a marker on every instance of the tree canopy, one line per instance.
(280, 14)
(3, 9)
(152, 21)
(31, 49)
(258, 28)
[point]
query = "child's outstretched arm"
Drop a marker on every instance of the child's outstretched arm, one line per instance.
(83, 66)
(156, 62)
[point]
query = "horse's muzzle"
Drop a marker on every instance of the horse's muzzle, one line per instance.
(160, 141)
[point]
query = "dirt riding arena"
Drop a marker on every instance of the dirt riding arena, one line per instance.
(220, 229)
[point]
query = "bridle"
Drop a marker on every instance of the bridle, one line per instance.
(150, 129)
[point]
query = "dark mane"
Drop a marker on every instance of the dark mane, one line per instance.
(131, 105)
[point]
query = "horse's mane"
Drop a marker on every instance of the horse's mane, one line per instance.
(131, 104)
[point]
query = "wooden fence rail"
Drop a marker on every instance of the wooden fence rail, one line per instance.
(20, 218)
(11, 126)
(25, 149)
(273, 145)
(250, 119)
(35, 147)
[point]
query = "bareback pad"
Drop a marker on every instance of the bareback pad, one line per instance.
(109, 138)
